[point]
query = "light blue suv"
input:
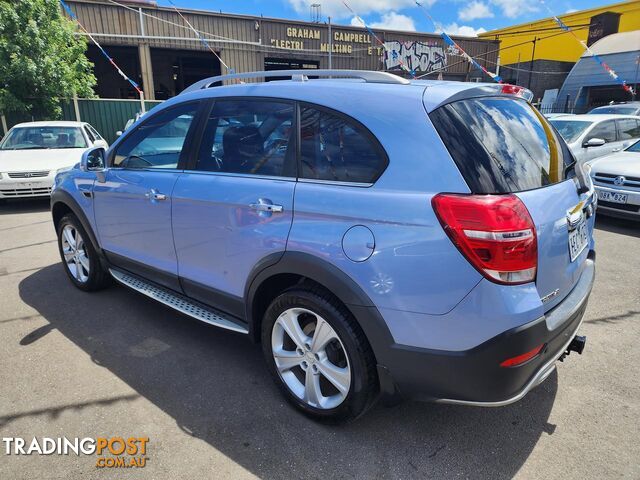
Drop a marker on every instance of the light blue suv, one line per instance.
(378, 236)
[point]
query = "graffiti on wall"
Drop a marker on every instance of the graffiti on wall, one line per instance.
(417, 56)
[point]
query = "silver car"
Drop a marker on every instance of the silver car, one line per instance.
(617, 181)
(593, 136)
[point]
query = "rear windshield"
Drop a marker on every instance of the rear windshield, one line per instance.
(570, 129)
(615, 110)
(501, 145)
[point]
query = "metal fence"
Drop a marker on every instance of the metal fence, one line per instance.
(105, 115)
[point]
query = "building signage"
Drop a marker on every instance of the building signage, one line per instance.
(343, 42)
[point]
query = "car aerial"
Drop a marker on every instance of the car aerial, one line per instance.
(592, 136)
(378, 236)
(616, 179)
(32, 153)
(623, 108)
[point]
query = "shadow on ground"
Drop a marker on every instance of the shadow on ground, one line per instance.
(24, 205)
(618, 225)
(213, 383)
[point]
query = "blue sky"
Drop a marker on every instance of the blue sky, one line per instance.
(463, 17)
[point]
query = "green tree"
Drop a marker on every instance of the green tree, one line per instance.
(41, 59)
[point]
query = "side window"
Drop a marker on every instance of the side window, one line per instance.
(628, 128)
(249, 136)
(605, 130)
(90, 135)
(333, 148)
(158, 142)
(94, 132)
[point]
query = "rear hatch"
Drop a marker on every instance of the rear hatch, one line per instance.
(502, 145)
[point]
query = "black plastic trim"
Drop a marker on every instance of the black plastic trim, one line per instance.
(215, 298)
(155, 275)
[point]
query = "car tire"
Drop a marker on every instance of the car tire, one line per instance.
(79, 256)
(327, 372)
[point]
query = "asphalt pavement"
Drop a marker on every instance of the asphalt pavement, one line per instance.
(114, 363)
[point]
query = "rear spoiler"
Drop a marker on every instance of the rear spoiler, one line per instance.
(497, 90)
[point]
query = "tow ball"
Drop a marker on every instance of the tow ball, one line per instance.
(576, 345)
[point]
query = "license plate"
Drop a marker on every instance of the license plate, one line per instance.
(612, 196)
(578, 239)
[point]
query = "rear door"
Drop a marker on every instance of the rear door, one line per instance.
(503, 145)
(628, 132)
(233, 207)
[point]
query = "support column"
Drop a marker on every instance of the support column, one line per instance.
(146, 69)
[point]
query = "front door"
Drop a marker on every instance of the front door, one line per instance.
(233, 207)
(133, 203)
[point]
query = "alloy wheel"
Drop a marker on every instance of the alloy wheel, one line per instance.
(310, 358)
(75, 253)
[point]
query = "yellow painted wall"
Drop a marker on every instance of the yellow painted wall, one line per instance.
(561, 47)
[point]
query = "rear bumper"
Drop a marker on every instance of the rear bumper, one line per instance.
(474, 377)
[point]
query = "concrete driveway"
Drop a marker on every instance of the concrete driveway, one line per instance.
(114, 363)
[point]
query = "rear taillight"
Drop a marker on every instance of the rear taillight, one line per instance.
(494, 232)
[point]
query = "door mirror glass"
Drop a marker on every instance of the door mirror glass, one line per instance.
(594, 142)
(93, 160)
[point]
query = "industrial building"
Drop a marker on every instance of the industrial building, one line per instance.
(544, 48)
(156, 47)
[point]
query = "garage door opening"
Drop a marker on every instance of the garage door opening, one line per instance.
(110, 83)
(175, 70)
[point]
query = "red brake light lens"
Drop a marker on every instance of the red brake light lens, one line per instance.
(518, 91)
(494, 232)
(520, 359)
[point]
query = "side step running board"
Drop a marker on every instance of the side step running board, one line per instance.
(178, 302)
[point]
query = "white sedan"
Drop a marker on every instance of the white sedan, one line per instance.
(593, 136)
(617, 180)
(31, 154)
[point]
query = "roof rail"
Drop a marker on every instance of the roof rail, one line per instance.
(368, 76)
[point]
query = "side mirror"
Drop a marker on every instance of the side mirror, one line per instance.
(594, 142)
(119, 133)
(93, 160)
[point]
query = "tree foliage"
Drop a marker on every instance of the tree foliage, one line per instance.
(41, 60)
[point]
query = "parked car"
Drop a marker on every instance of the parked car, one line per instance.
(415, 239)
(617, 180)
(622, 108)
(31, 154)
(593, 136)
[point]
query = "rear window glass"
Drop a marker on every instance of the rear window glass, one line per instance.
(501, 145)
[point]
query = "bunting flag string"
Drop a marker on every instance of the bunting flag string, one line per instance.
(393, 53)
(595, 56)
(202, 39)
(111, 61)
(449, 41)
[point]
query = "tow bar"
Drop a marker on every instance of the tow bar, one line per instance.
(576, 345)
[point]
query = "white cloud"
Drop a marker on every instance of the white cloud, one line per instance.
(571, 10)
(391, 21)
(475, 10)
(336, 8)
(461, 30)
(516, 8)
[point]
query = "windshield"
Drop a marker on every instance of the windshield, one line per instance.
(615, 109)
(501, 145)
(570, 129)
(34, 138)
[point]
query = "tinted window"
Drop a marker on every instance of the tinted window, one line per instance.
(333, 148)
(604, 130)
(570, 129)
(501, 145)
(158, 142)
(94, 132)
(250, 137)
(628, 128)
(634, 148)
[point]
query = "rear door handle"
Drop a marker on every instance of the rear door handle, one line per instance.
(266, 206)
(154, 194)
